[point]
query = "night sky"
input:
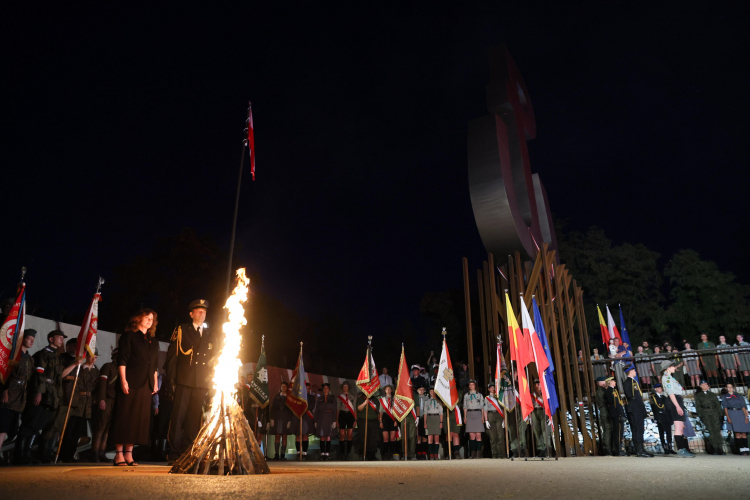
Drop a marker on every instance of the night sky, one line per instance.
(121, 125)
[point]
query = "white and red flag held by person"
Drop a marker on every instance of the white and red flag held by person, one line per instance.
(368, 380)
(250, 141)
(403, 401)
(540, 357)
(445, 383)
(89, 327)
(11, 333)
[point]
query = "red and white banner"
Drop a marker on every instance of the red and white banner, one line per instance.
(445, 383)
(87, 335)
(11, 334)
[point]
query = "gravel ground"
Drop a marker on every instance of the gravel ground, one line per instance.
(708, 477)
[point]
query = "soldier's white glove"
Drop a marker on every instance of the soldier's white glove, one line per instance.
(333, 426)
(487, 423)
(416, 422)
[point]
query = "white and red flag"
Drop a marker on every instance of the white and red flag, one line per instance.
(611, 328)
(11, 334)
(540, 358)
(87, 335)
(519, 352)
(403, 401)
(368, 380)
(445, 383)
(251, 139)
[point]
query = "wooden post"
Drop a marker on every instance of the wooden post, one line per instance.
(490, 324)
(467, 307)
(587, 369)
(480, 283)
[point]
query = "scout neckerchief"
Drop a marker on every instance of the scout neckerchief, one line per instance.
(348, 405)
(495, 405)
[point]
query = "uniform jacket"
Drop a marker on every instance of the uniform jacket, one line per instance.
(370, 414)
(47, 380)
(279, 409)
(18, 382)
(191, 357)
(325, 404)
(108, 376)
(707, 403)
(139, 354)
(635, 397)
(614, 403)
(601, 401)
(69, 380)
(83, 397)
(659, 407)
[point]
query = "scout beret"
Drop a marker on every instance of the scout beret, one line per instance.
(56, 332)
(29, 332)
(666, 364)
(601, 379)
(199, 303)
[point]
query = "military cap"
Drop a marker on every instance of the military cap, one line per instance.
(703, 381)
(29, 332)
(416, 367)
(600, 379)
(536, 380)
(631, 366)
(472, 381)
(199, 303)
(71, 341)
(56, 332)
(491, 384)
(657, 385)
(609, 379)
(666, 364)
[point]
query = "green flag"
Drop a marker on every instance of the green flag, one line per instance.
(259, 386)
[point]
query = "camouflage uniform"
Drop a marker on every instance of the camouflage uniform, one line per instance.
(709, 410)
(604, 422)
(80, 411)
(16, 387)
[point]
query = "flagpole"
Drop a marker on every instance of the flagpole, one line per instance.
(394, 397)
(546, 391)
(236, 208)
(300, 417)
(448, 415)
(499, 384)
(367, 399)
(512, 386)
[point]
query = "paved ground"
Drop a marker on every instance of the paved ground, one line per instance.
(601, 478)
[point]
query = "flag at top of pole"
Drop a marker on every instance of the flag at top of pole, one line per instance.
(603, 327)
(296, 397)
(259, 386)
(445, 383)
(403, 401)
(540, 357)
(250, 141)
(11, 332)
(87, 336)
(368, 380)
(549, 376)
(624, 331)
(519, 354)
(611, 328)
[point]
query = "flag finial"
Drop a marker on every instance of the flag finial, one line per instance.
(23, 273)
(369, 340)
(99, 285)
(444, 332)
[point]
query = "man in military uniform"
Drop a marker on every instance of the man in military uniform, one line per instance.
(369, 417)
(494, 422)
(616, 411)
(604, 422)
(417, 380)
(13, 399)
(45, 391)
(81, 407)
(539, 422)
(104, 401)
(53, 429)
(709, 410)
(190, 365)
(637, 411)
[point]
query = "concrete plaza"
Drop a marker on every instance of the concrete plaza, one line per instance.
(707, 477)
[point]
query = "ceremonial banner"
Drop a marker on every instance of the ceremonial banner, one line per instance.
(611, 328)
(603, 327)
(258, 388)
(87, 335)
(403, 401)
(626, 339)
(549, 372)
(540, 357)
(368, 381)
(445, 383)
(251, 140)
(521, 356)
(296, 397)
(11, 334)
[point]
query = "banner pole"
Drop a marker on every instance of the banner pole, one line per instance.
(367, 409)
(300, 439)
(67, 414)
(405, 439)
(450, 440)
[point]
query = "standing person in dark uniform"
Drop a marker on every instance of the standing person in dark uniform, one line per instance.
(417, 380)
(44, 398)
(308, 423)
(663, 418)
(616, 412)
(80, 408)
(104, 401)
(637, 410)
(738, 421)
(368, 417)
(53, 430)
(346, 420)
(604, 421)
(281, 421)
(708, 408)
(325, 420)
(190, 365)
(138, 355)
(13, 400)
(420, 400)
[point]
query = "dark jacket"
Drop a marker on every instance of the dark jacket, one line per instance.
(191, 357)
(614, 403)
(108, 377)
(659, 408)
(47, 380)
(18, 382)
(139, 354)
(635, 397)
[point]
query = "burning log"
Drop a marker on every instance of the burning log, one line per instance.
(226, 443)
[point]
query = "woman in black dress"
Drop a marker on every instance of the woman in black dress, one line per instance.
(138, 354)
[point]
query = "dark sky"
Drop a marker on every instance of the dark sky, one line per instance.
(123, 124)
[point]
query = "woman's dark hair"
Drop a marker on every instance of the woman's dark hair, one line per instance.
(286, 384)
(136, 320)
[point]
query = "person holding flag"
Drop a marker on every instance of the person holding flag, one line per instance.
(80, 408)
(446, 390)
(404, 408)
(388, 425)
(493, 420)
(296, 401)
(10, 332)
(369, 386)
(281, 420)
(13, 399)
(257, 390)
(541, 397)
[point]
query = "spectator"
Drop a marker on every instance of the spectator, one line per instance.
(692, 365)
(646, 348)
(644, 366)
(385, 379)
(709, 361)
(727, 361)
(600, 369)
(743, 357)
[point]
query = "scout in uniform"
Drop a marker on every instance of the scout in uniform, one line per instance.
(493, 418)
(604, 422)
(368, 416)
(419, 403)
(13, 399)
(637, 410)
(709, 410)
(709, 360)
(281, 421)
(189, 366)
(412, 427)
(346, 420)
(325, 420)
(663, 419)
(433, 424)
(676, 407)
(388, 425)
(81, 408)
(616, 411)
(53, 430)
(456, 419)
(738, 421)
(539, 422)
(104, 401)
(474, 418)
(308, 422)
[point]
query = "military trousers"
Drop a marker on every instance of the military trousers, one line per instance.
(712, 423)
(411, 436)
(496, 433)
(55, 424)
(617, 430)
(374, 433)
(185, 421)
(606, 433)
(540, 428)
(517, 430)
(637, 428)
(34, 419)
